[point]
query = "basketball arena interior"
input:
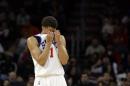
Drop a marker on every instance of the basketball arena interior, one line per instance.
(96, 33)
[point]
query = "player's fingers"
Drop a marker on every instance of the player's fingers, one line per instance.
(49, 33)
(58, 32)
(52, 34)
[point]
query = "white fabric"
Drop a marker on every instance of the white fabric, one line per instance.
(119, 77)
(52, 66)
(50, 81)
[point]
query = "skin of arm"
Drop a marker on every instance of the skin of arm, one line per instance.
(62, 51)
(38, 55)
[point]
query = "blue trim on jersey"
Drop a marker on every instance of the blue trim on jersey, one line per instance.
(38, 39)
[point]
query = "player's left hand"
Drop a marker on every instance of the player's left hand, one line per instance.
(57, 37)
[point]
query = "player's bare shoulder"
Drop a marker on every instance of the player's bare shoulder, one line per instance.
(31, 41)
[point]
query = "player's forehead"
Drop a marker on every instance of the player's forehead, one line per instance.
(50, 28)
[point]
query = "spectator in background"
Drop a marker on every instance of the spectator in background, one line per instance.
(104, 80)
(126, 81)
(125, 20)
(106, 65)
(6, 66)
(12, 18)
(97, 68)
(4, 30)
(109, 51)
(22, 18)
(30, 81)
(95, 47)
(107, 28)
(86, 81)
(6, 83)
(120, 43)
(72, 72)
(128, 78)
(25, 65)
(21, 46)
(12, 76)
(15, 80)
(4, 34)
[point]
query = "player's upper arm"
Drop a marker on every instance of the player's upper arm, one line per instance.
(65, 55)
(33, 47)
(63, 40)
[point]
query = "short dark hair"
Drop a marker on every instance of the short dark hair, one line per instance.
(49, 21)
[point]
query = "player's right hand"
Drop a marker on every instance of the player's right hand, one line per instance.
(49, 37)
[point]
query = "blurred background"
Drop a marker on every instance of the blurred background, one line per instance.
(96, 32)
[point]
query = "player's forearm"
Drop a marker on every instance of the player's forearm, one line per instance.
(44, 55)
(63, 55)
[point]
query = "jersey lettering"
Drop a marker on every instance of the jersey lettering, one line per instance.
(43, 44)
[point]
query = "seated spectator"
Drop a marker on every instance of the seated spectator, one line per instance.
(85, 81)
(7, 65)
(4, 35)
(104, 80)
(128, 77)
(97, 68)
(23, 18)
(107, 28)
(95, 47)
(6, 83)
(72, 72)
(106, 65)
(30, 81)
(15, 80)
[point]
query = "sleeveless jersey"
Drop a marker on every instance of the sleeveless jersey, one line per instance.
(53, 65)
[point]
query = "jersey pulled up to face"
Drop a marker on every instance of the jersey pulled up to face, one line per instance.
(53, 65)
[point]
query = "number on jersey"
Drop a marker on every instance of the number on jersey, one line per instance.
(51, 54)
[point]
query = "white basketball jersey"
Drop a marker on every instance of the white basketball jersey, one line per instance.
(53, 65)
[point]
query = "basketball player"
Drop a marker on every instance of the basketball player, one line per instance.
(48, 50)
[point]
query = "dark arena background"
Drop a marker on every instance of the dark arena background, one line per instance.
(96, 33)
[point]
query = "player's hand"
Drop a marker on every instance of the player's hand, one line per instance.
(57, 37)
(49, 37)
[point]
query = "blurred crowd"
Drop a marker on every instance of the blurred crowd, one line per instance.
(106, 61)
